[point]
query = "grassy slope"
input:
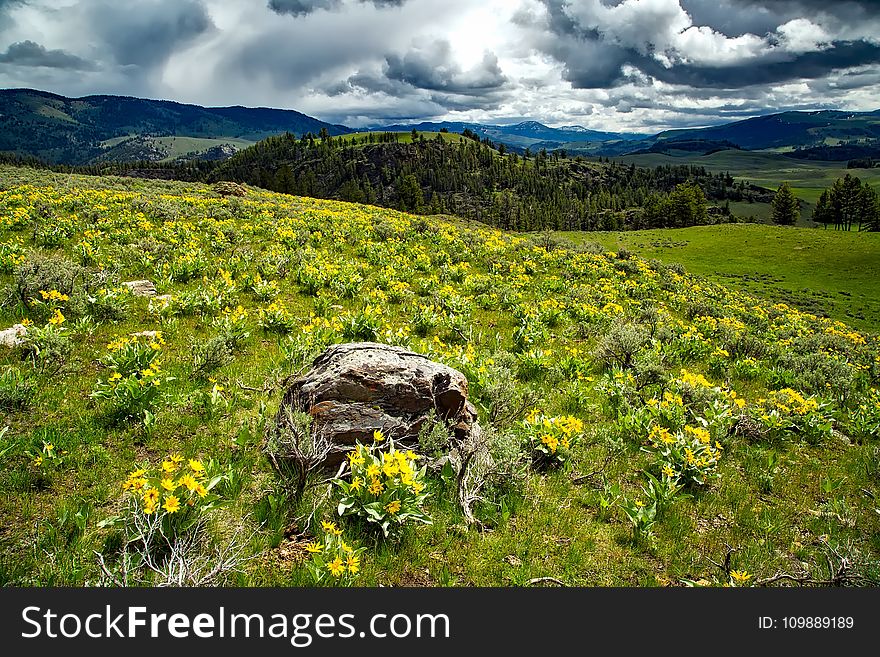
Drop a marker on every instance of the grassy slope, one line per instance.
(826, 271)
(773, 516)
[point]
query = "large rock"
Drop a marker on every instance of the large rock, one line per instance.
(12, 337)
(354, 389)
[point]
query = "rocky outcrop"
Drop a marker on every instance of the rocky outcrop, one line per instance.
(353, 390)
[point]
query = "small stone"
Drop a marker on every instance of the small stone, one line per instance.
(11, 337)
(141, 288)
(144, 334)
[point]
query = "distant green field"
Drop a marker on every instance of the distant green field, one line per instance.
(807, 177)
(175, 146)
(822, 271)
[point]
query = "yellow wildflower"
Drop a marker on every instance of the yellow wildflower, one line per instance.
(336, 567)
(172, 504)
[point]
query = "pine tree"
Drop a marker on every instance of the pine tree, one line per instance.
(822, 212)
(784, 209)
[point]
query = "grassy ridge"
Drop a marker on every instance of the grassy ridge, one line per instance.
(532, 324)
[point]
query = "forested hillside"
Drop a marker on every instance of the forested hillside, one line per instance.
(475, 180)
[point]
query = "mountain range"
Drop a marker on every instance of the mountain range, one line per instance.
(74, 131)
(95, 129)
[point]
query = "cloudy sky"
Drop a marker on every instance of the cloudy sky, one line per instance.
(641, 65)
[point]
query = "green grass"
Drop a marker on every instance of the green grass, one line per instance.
(825, 271)
(484, 287)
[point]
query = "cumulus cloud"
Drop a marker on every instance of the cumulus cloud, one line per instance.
(432, 67)
(610, 64)
(660, 38)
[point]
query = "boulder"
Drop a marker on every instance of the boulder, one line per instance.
(141, 288)
(355, 389)
(11, 337)
(229, 188)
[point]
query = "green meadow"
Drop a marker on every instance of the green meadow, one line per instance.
(645, 424)
(829, 272)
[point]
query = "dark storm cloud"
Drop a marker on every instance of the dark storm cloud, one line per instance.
(301, 7)
(304, 7)
(592, 59)
(804, 7)
(29, 53)
(147, 34)
(731, 18)
(810, 65)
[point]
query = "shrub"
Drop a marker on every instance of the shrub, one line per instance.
(386, 488)
(551, 438)
(210, 355)
(219, 350)
(40, 272)
(136, 379)
(164, 528)
(621, 344)
(332, 560)
(16, 390)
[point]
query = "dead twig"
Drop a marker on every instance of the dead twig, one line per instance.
(552, 580)
(725, 566)
(590, 475)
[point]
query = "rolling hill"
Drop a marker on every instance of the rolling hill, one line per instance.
(75, 131)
